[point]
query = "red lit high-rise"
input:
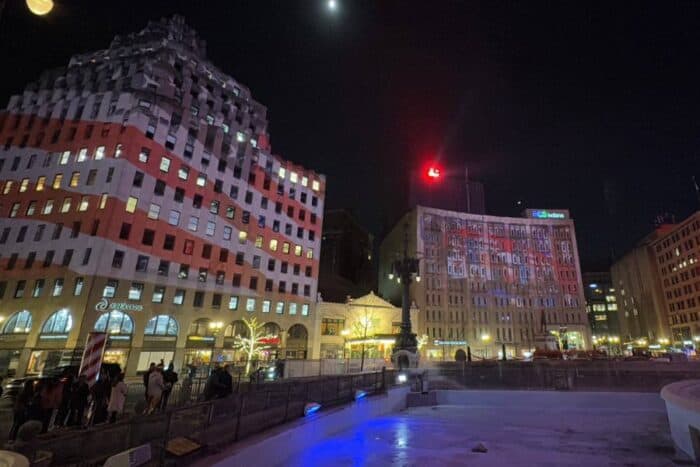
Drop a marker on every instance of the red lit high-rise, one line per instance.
(139, 196)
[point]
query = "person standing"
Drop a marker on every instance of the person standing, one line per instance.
(169, 378)
(78, 401)
(146, 375)
(100, 395)
(226, 382)
(117, 398)
(155, 389)
(21, 408)
(66, 386)
(51, 395)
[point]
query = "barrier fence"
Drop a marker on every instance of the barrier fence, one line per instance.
(208, 424)
(561, 375)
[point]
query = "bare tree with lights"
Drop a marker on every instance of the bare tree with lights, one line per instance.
(252, 345)
(360, 329)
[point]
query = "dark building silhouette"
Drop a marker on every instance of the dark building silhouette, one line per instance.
(347, 258)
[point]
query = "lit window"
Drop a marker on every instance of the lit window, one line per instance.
(65, 207)
(118, 151)
(305, 309)
(310, 254)
(143, 155)
(78, 287)
(174, 217)
(75, 179)
(233, 303)
(193, 224)
(266, 306)
(279, 308)
(292, 308)
(8, 187)
(164, 164)
(293, 177)
(40, 183)
(282, 172)
(226, 128)
(103, 200)
(14, 210)
(84, 203)
(315, 185)
(201, 179)
(57, 181)
(297, 250)
(211, 228)
(57, 288)
(82, 155)
(304, 182)
(183, 172)
(24, 185)
(135, 291)
(242, 236)
(227, 232)
(153, 211)
(273, 244)
(285, 248)
(259, 241)
(48, 207)
(65, 156)
(250, 304)
(31, 209)
(99, 153)
(131, 204)
(240, 136)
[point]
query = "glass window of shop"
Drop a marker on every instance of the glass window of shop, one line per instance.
(162, 325)
(332, 327)
(145, 359)
(115, 322)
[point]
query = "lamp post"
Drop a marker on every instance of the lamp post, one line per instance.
(405, 269)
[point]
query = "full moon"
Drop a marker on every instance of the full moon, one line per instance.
(40, 7)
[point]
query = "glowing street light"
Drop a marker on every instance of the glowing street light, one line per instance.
(332, 5)
(433, 172)
(40, 7)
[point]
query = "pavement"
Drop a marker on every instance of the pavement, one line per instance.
(512, 436)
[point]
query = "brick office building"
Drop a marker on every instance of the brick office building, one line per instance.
(139, 196)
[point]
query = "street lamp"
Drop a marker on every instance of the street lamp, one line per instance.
(406, 269)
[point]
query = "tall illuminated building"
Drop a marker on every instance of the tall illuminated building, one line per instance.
(139, 196)
(489, 281)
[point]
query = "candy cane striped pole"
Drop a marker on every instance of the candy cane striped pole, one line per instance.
(92, 356)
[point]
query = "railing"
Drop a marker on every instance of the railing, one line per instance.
(640, 376)
(212, 423)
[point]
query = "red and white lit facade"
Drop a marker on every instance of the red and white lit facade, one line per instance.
(486, 281)
(139, 195)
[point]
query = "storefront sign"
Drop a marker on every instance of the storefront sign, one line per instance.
(104, 305)
(440, 342)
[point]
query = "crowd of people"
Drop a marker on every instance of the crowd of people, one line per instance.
(67, 400)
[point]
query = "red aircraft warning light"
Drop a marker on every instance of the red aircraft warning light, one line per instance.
(433, 172)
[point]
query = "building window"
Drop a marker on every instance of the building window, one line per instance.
(153, 211)
(38, 288)
(78, 286)
(233, 302)
(158, 294)
(57, 287)
(250, 304)
(164, 164)
(60, 322)
(135, 291)
(131, 204)
(18, 323)
(110, 289)
(162, 325)
(179, 297)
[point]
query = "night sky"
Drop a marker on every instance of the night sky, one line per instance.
(590, 106)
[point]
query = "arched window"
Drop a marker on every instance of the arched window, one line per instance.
(237, 328)
(19, 323)
(162, 325)
(200, 327)
(60, 322)
(115, 322)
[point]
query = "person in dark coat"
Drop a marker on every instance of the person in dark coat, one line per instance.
(100, 395)
(213, 388)
(146, 375)
(67, 384)
(169, 378)
(78, 401)
(226, 382)
(21, 408)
